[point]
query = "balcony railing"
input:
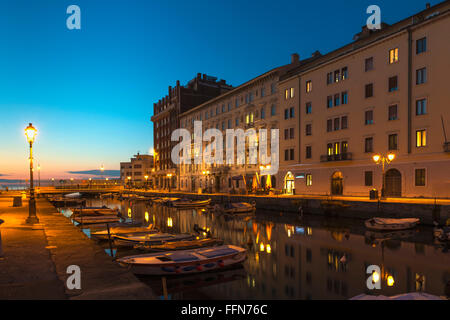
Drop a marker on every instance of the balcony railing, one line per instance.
(336, 157)
(447, 147)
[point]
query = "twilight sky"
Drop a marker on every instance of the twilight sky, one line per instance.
(90, 92)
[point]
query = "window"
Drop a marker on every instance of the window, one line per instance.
(309, 180)
(421, 107)
(393, 142)
(308, 152)
(337, 100)
(286, 114)
(292, 93)
(308, 86)
(308, 108)
(421, 76)
(337, 122)
(421, 45)
(237, 122)
(273, 88)
(369, 117)
(393, 55)
(286, 155)
(329, 102)
(368, 146)
(286, 134)
(292, 112)
(344, 73)
(344, 97)
(308, 129)
(420, 177)
(229, 123)
(393, 114)
(229, 106)
(263, 92)
(237, 102)
(263, 113)
(291, 153)
(368, 178)
(329, 77)
(344, 122)
(291, 133)
(329, 125)
(337, 76)
(369, 90)
(286, 94)
(273, 110)
(421, 138)
(393, 84)
(368, 64)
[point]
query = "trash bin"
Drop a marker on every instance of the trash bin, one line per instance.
(373, 194)
(17, 202)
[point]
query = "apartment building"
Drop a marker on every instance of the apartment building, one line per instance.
(253, 105)
(384, 94)
(137, 171)
(166, 120)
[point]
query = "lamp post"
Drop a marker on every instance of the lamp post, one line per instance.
(146, 181)
(383, 160)
(206, 174)
(170, 175)
(129, 182)
(39, 175)
(30, 133)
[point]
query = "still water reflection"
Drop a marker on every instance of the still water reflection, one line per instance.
(293, 258)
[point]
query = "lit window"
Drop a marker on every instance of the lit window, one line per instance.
(308, 86)
(421, 138)
(309, 180)
(393, 55)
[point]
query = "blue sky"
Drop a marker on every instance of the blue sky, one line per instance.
(90, 92)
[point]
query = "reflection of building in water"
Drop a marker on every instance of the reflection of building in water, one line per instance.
(299, 262)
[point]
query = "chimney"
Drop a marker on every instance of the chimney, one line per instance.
(428, 6)
(295, 58)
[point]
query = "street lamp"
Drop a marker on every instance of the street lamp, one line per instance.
(146, 181)
(170, 175)
(383, 160)
(206, 174)
(39, 175)
(129, 182)
(30, 133)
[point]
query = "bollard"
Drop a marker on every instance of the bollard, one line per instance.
(1, 248)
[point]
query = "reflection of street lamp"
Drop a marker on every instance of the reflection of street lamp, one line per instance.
(383, 160)
(170, 175)
(30, 133)
(262, 169)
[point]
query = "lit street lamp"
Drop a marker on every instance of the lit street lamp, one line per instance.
(383, 160)
(146, 181)
(30, 133)
(129, 182)
(206, 174)
(170, 175)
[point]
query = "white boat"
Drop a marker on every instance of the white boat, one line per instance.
(75, 195)
(407, 296)
(103, 234)
(383, 224)
(185, 262)
(187, 203)
(146, 238)
(236, 208)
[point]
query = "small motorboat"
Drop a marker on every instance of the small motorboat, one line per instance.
(407, 296)
(187, 203)
(186, 261)
(180, 245)
(94, 211)
(95, 219)
(146, 238)
(75, 195)
(103, 234)
(236, 208)
(382, 224)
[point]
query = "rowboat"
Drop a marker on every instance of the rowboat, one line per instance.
(165, 200)
(187, 203)
(132, 239)
(186, 261)
(382, 224)
(96, 219)
(236, 208)
(180, 245)
(94, 212)
(103, 234)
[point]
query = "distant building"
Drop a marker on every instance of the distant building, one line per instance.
(165, 120)
(135, 171)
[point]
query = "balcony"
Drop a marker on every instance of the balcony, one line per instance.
(336, 157)
(447, 147)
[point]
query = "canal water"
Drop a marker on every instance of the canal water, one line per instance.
(293, 257)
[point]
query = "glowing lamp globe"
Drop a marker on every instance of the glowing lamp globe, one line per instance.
(30, 133)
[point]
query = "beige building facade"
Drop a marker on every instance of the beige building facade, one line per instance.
(386, 93)
(137, 171)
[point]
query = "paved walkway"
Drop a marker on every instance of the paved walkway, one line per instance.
(36, 259)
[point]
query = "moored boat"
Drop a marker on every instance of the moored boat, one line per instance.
(103, 234)
(186, 261)
(236, 208)
(382, 224)
(180, 245)
(132, 239)
(187, 203)
(94, 211)
(95, 219)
